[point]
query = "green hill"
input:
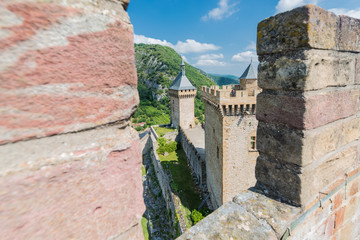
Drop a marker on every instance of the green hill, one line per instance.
(224, 79)
(157, 66)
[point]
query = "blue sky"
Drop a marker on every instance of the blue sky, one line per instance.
(217, 36)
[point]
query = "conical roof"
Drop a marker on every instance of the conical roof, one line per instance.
(181, 82)
(250, 72)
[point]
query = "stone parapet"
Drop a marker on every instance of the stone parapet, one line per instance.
(308, 112)
(230, 100)
(308, 27)
(252, 215)
(69, 160)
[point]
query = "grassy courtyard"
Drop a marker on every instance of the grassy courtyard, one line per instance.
(161, 131)
(183, 183)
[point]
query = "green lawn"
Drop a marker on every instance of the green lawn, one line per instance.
(183, 181)
(161, 131)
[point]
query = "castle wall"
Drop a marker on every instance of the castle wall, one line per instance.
(175, 110)
(308, 170)
(162, 178)
(187, 109)
(194, 158)
(182, 108)
(214, 153)
(69, 161)
(238, 169)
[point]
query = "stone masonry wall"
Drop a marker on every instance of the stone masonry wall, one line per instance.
(196, 162)
(308, 169)
(163, 180)
(309, 119)
(308, 112)
(175, 110)
(187, 106)
(69, 161)
(213, 137)
(238, 169)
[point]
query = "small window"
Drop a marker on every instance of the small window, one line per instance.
(253, 143)
(217, 152)
(247, 107)
(214, 131)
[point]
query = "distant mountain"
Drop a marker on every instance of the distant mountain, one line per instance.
(220, 79)
(157, 66)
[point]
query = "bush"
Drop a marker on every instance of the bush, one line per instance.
(196, 216)
(166, 147)
(139, 128)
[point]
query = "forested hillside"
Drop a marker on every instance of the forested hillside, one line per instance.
(224, 79)
(157, 66)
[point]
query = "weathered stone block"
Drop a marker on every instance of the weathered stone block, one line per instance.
(277, 214)
(307, 182)
(307, 70)
(357, 71)
(304, 147)
(307, 110)
(349, 34)
(277, 176)
(230, 221)
(87, 191)
(71, 67)
(69, 161)
(304, 27)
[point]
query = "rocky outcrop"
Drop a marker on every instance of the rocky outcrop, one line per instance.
(69, 161)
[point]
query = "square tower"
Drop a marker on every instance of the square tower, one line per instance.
(230, 138)
(182, 95)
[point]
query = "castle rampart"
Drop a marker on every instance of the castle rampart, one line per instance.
(231, 100)
(69, 160)
(308, 169)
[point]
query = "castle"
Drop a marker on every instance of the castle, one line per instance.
(229, 135)
(70, 162)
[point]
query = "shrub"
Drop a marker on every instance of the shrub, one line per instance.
(139, 128)
(166, 147)
(196, 216)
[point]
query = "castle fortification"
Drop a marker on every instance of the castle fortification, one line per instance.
(308, 169)
(69, 160)
(182, 94)
(230, 138)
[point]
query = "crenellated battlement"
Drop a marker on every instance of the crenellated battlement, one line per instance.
(187, 93)
(231, 100)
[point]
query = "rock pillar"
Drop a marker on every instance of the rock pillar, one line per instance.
(308, 112)
(69, 161)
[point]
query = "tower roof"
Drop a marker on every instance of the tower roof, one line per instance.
(181, 82)
(250, 72)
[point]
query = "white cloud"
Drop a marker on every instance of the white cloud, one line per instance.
(211, 56)
(147, 40)
(246, 56)
(189, 46)
(285, 5)
(251, 46)
(224, 9)
(342, 11)
(210, 60)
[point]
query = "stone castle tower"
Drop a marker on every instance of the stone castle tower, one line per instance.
(230, 137)
(182, 94)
